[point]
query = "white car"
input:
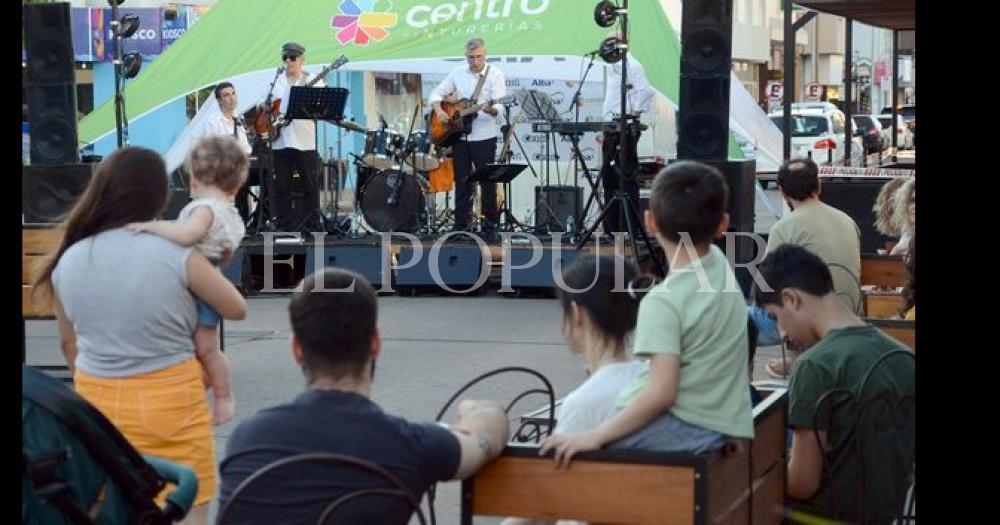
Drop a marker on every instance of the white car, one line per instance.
(904, 137)
(818, 129)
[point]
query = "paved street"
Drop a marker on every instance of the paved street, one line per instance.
(432, 346)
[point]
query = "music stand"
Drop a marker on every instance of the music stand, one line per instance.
(317, 103)
(503, 174)
(538, 107)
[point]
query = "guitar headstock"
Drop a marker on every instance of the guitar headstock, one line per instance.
(339, 61)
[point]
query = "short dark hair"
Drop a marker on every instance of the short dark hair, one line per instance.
(222, 85)
(799, 178)
(792, 266)
(614, 313)
(691, 197)
(335, 328)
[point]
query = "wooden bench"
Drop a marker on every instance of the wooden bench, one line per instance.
(637, 487)
(36, 243)
(903, 331)
(882, 305)
(883, 271)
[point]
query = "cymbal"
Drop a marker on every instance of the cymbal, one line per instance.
(351, 126)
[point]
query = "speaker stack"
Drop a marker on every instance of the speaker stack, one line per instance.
(703, 113)
(55, 178)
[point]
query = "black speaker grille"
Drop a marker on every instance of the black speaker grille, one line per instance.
(706, 55)
(48, 192)
(51, 85)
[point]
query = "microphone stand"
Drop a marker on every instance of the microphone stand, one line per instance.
(266, 169)
(578, 155)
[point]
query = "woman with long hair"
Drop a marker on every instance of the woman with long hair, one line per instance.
(125, 311)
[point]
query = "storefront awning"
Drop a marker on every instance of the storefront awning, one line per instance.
(891, 14)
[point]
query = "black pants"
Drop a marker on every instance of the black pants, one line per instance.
(465, 155)
(293, 196)
(613, 220)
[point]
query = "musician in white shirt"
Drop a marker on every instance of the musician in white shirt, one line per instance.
(478, 148)
(638, 100)
(296, 163)
(229, 122)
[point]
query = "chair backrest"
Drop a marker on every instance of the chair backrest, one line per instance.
(854, 299)
(55, 420)
(393, 486)
(868, 422)
(886, 271)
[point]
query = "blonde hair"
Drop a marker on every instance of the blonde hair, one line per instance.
(901, 204)
(885, 215)
(218, 161)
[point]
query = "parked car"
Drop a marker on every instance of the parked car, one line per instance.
(870, 130)
(909, 114)
(818, 128)
(904, 137)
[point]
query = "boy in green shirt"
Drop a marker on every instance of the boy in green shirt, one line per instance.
(694, 392)
(840, 351)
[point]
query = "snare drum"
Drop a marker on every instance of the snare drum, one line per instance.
(420, 152)
(382, 146)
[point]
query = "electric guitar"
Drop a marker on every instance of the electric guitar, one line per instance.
(269, 119)
(461, 114)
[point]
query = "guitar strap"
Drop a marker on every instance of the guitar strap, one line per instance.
(479, 86)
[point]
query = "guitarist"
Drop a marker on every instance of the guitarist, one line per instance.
(478, 82)
(294, 197)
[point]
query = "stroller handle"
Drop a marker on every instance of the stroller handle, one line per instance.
(179, 500)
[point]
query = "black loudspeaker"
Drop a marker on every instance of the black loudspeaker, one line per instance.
(739, 177)
(48, 192)
(539, 275)
(453, 269)
(51, 84)
(856, 197)
(554, 204)
(706, 61)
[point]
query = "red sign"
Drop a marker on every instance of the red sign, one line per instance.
(814, 91)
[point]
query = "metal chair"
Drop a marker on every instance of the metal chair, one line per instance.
(395, 488)
(883, 416)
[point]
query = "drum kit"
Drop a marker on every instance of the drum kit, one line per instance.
(397, 177)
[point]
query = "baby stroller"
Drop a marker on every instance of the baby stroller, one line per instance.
(79, 469)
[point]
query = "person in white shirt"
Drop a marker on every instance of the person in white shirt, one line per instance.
(228, 122)
(478, 148)
(598, 319)
(638, 100)
(294, 198)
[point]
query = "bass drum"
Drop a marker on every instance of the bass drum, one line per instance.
(393, 201)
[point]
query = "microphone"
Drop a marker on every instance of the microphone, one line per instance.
(593, 53)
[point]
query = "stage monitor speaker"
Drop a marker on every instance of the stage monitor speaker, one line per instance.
(48, 192)
(364, 260)
(740, 176)
(856, 197)
(51, 86)
(459, 269)
(554, 204)
(706, 62)
(540, 275)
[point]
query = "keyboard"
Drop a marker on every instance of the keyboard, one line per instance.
(578, 128)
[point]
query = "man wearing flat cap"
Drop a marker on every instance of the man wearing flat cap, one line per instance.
(294, 197)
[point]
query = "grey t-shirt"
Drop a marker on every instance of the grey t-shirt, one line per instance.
(127, 297)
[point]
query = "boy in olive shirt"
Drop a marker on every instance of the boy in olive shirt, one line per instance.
(694, 392)
(840, 350)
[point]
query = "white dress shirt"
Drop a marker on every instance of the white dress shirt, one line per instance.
(639, 96)
(300, 134)
(463, 82)
(222, 125)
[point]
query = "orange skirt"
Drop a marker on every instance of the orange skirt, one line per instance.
(163, 413)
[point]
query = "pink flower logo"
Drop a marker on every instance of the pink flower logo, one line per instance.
(358, 22)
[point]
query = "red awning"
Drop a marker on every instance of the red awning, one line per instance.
(891, 14)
